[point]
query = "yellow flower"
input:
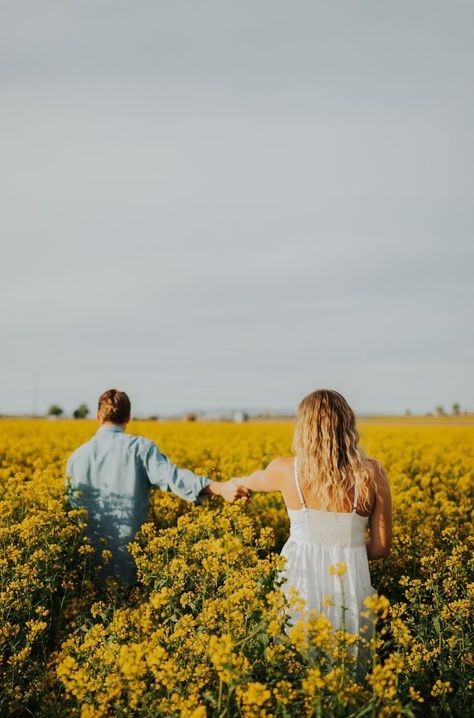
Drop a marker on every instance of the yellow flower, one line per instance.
(160, 598)
(415, 695)
(338, 569)
(379, 605)
(441, 688)
(253, 698)
(229, 665)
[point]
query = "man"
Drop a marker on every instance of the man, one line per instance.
(114, 473)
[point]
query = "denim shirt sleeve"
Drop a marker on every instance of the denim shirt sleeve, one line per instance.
(68, 487)
(166, 476)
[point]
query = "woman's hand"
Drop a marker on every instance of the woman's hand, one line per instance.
(229, 490)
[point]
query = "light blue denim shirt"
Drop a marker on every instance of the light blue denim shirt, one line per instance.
(114, 473)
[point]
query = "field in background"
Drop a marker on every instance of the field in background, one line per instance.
(202, 636)
(421, 420)
(463, 419)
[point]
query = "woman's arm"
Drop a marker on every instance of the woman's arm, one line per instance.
(380, 522)
(268, 479)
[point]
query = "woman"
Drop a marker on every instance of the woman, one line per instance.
(332, 492)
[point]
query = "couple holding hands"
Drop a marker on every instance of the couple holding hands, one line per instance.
(333, 493)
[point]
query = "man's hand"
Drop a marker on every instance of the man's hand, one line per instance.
(229, 490)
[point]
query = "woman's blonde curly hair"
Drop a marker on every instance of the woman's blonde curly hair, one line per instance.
(326, 445)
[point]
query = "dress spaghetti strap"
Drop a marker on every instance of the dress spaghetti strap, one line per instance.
(356, 497)
(297, 484)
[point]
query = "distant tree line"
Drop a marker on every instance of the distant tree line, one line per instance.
(455, 410)
(440, 410)
(80, 413)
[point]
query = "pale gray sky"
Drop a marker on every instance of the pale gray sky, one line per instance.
(231, 204)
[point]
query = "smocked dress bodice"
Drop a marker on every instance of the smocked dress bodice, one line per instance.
(318, 540)
(328, 528)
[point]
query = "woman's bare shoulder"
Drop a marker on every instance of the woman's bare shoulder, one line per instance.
(282, 463)
(281, 466)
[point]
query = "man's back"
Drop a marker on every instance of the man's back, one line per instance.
(109, 472)
(113, 473)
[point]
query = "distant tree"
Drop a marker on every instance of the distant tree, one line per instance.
(55, 410)
(456, 409)
(440, 411)
(81, 411)
(408, 412)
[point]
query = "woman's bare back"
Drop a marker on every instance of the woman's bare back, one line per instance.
(289, 490)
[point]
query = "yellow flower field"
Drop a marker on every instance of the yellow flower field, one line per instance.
(206, 632)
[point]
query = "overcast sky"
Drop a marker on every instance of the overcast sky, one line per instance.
(217, 204)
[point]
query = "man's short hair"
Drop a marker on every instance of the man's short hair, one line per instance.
(114, 406)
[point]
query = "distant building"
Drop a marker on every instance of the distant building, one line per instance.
(216, 416)
(240, 417)
(237, 416)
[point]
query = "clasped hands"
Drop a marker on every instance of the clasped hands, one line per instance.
(230, 490)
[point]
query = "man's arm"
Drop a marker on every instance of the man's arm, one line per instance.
(167, 476)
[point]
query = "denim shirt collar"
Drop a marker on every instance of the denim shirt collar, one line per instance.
(110, 427)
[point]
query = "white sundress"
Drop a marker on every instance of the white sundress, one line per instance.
(317, 540)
